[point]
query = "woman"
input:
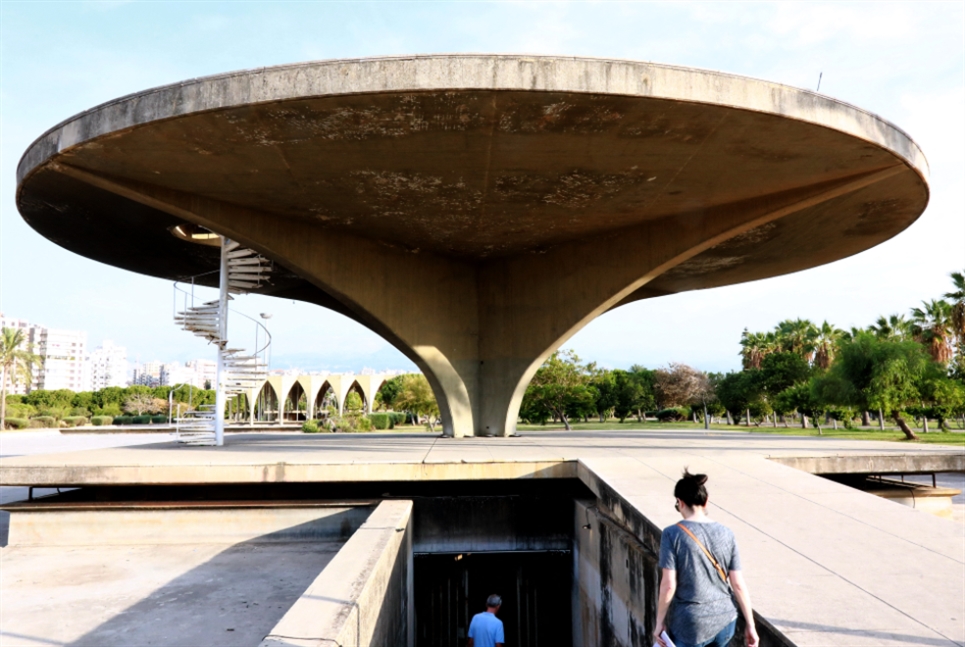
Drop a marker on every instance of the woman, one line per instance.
(697, 558)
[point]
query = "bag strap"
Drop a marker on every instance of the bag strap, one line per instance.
(720, 570)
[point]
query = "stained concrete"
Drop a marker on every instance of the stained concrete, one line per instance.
(825, 562)
(364, 596)
(139, 595)
(509, 200)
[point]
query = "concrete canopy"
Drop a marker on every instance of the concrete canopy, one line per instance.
(477, 210)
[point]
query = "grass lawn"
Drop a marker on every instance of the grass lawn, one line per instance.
(955, 439)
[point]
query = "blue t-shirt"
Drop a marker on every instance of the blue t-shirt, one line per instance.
(486, 630)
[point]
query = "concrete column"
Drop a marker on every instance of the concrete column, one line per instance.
(480, 329)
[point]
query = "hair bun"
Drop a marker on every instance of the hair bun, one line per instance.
(700, 478)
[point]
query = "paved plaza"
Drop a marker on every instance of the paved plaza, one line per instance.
(827, 564)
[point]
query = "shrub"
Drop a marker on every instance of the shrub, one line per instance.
(43, 421)
(17, 423)
(79, 412)
(75, 421)
(397, 419)
(100, 421)
(310, 427)
(353, 424)
(381, 421)
(141, 420)
(159, 419)
(672, 414)
(112, 409)
(123, 420)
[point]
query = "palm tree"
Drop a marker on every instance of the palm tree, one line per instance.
(826, 343)
(958, 308)
(932, 326)
(16, 363)
(797, 336)
(892, 328)
(755, 347)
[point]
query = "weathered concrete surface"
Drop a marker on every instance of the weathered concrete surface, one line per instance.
(871, 464)
(615, 575)
(825, 563)
(508, 200)
(363, 596)
(184, 595)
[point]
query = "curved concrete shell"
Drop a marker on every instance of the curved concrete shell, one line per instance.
(477, 211)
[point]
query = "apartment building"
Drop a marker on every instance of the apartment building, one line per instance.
(108, 366)
(64, 356)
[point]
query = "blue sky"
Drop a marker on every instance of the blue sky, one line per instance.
(904, 61)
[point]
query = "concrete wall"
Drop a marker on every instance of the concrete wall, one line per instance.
(363, 597)
(491, 523)
(32, 526)
(614, 582)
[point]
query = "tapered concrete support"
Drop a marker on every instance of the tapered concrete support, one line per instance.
(477, 211)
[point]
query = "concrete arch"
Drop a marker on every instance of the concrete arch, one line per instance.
(295, 393)
(265, 403)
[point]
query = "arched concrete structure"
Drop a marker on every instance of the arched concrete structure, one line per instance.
(312, 385)
(477, 211)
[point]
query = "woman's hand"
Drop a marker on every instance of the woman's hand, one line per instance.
(750, 635)
(657, 640)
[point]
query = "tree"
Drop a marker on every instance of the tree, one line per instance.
(798, 336)
(416, 395)
(958, 319)
(558, 385)
(826, 342)
(141, 403)
(741, 392)
(872, 373)
(755, 347)
(932, 326)
(632, 393)
(353, 403)
(388, 392)
(605, 384)
(16, 364)
(680, 385)
(892, 328)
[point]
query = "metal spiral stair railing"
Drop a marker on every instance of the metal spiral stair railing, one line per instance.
(242, 270)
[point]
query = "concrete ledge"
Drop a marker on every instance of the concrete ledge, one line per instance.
(213, 467)
(362, 596)
(876, 464)
(32, 526)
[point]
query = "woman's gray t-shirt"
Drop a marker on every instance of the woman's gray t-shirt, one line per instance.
(702, 604)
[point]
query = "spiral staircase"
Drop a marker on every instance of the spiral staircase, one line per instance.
(239, 372)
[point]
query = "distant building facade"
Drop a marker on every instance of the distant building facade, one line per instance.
(147, 374)
(32, 334)
(108, 366)
(64, 356)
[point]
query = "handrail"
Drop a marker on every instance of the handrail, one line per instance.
(191, 295)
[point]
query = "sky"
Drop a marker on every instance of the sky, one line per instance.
(903, 61)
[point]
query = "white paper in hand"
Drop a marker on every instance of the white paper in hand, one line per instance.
(666, 640)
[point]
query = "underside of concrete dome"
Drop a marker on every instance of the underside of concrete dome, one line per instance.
(476, 211)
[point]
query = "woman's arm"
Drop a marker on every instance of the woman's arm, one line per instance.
(744, 602)
(668, 586)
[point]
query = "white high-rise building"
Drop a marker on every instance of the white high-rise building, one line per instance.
(64, 355)
(108, 366)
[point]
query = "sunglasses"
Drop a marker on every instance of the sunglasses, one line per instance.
(676, 506)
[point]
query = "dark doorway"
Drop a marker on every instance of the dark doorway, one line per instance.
(535, 587)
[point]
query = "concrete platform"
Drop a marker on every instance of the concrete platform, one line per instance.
(827, 564)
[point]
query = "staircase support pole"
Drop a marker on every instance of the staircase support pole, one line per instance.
(219, 408)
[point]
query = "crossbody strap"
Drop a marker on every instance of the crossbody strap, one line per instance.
(720, 571)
